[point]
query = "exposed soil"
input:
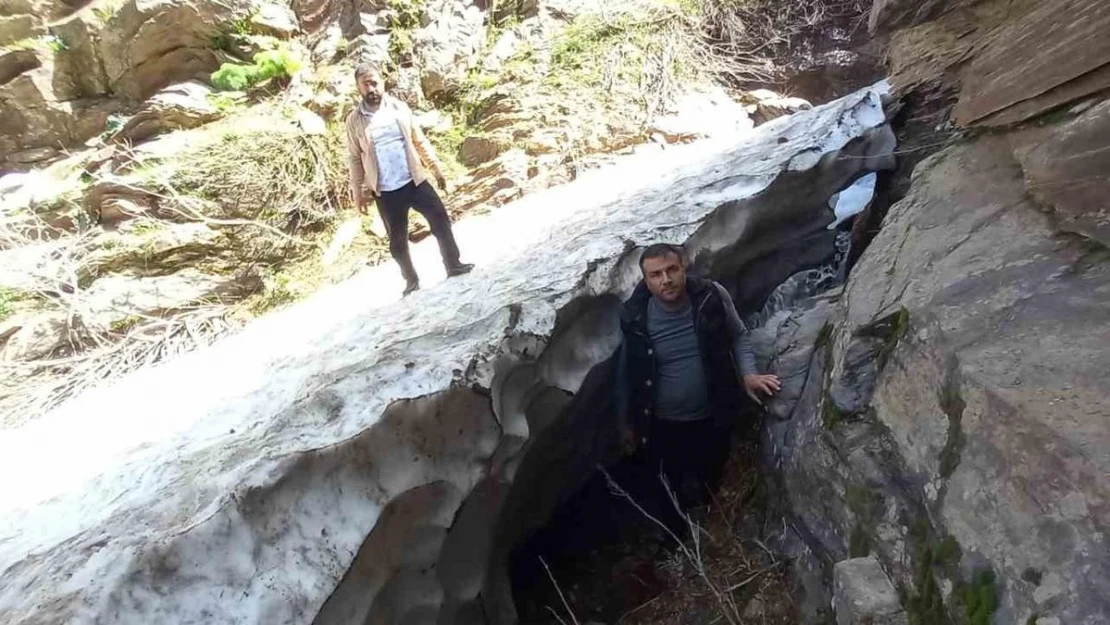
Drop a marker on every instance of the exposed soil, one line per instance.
(613, 565)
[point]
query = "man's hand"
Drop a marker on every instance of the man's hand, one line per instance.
(444, 186)
(756, 384)
(364, 205)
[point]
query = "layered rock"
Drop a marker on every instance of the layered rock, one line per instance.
(947, 413)
(379, 466)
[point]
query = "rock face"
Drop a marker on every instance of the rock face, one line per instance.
(379, 466)
(101, 61)
(176, 107)
(863, 594)
(947, 413)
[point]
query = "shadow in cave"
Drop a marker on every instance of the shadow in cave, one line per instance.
(612, 564)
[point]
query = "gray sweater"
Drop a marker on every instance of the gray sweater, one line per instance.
(681, 392)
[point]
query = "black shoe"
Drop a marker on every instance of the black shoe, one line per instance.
(460, 269)
(410, 287)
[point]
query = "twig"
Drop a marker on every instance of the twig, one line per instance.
(639, 607)
(566, 605)
(556, 615)
(752, 577)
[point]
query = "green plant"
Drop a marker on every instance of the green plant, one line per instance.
(122, 326)
(404, 18)
(55, 43)
(980, 597)
(106, 10)
(282, 63)
(43, 43)
(225, 103)
(8, 297)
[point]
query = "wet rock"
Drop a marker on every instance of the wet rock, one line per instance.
(405, 449)
(863, 594)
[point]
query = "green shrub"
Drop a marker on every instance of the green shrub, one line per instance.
(268, 64)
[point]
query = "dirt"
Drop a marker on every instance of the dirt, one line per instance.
(607, 563)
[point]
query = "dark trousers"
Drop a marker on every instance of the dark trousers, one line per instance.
(691, 457)
(394, 207)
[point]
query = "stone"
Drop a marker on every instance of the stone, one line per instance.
(35, 337)
(1067, 168)
(1006, 72)
(16, 62)
(310, 123)
(888, 15)
(16, 27)
(765, 105)
(337, 462)
(149, 45)
(114, 299)
(276, 20)
(478, 149)
(157, 248)
(177, 107)
(447, 45)
(863, 594)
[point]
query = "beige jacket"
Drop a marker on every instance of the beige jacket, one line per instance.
(364, 161)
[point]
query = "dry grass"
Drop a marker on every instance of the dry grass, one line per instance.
(719, 568)
(274, 191)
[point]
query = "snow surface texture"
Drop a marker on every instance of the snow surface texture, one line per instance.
(343, 461)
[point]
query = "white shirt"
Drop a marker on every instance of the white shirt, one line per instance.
(389, 147)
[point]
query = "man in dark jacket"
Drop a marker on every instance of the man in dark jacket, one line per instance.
(683, 370)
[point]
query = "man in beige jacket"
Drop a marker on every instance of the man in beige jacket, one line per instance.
(386, 148)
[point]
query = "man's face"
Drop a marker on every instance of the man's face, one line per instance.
(665, 277)
(371, 87)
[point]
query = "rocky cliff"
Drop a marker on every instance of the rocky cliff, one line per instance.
(947, 412)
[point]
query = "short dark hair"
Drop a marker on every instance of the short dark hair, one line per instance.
(662, 250)
(366, 69)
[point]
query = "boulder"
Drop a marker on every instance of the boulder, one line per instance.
(146, 46)
(447, 45)
(16, 27)
(888, 15)
(151, 248)
(863, 594)
(478, 149)
(177, 107)
(277, 20)
(115, 299)
(763, 105)
(1067, 168)
(339, 463)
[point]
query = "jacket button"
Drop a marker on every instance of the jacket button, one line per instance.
(650, 351)
(647, 411)
(648, 382)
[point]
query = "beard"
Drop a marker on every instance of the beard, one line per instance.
(372, 98)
